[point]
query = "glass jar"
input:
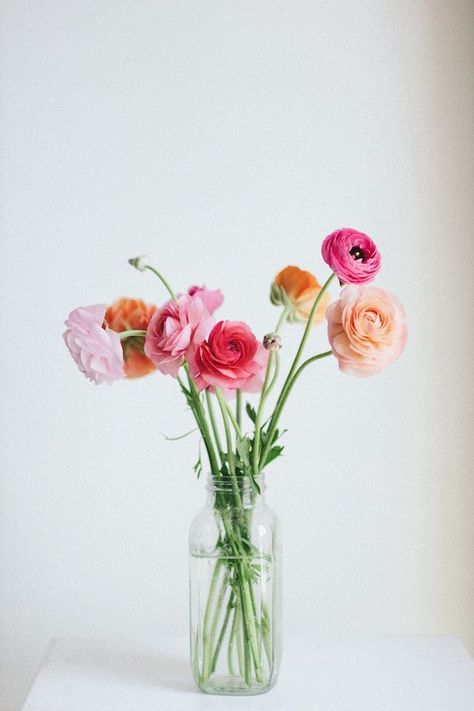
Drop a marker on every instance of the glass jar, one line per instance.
(234, 589)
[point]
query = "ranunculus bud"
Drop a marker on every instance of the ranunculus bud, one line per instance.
(272, 342)
(139, 263)
(297, 290)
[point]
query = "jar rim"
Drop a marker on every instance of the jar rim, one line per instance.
(226, 482)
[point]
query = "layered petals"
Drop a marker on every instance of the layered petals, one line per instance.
(211, 298)
(231, 358)
(174, 330)
(96, 350)
(367, 329)
(352, 255)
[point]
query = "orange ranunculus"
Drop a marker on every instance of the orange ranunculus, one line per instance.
(298, 290)
(125, 315)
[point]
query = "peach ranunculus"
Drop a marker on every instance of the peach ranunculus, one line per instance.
(132, 314)
(367, 329)
(297, 290)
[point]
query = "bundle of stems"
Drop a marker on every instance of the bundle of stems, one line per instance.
(234, 464)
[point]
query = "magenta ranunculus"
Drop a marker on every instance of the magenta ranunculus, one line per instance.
(367, 329)
(231, 358)
(212, 298)
(174, 330)
(352, 255)
(97, 351)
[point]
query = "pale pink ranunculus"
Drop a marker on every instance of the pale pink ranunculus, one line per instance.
(367, 329)
(352, 255)
(97, 351)
(230, 358)
(212, 298)
(174, 330)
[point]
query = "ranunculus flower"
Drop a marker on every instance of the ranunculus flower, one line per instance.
(125, 315)
(174, 330)
(298, 290)
(231, 358)
(367, 329)
(212, 298)
(352, 255)
(96, 350)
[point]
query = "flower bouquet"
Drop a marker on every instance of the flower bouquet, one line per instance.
(234, 545)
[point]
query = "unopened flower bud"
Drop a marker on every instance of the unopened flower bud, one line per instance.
(272, 342)
(139, 263)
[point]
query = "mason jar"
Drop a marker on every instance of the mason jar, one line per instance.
(234, 589)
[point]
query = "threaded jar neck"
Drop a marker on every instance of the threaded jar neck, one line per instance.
(235, 490)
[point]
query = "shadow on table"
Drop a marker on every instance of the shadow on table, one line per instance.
(152, 669)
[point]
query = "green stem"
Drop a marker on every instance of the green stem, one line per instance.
(238, 407)
(129, 334)
(163, 281)
(307, 362)
(275, 375)
(228, 437)
(245, 641)
(282, 401)
(215, 619)
(288, 382)
(230, 650)
(233, 419)
(220, 639)
(241, 654)
(200, 416)
(206, 653)
(251, 629)
(256, 440)
(266, 389)
(282, 318)
(215, 429)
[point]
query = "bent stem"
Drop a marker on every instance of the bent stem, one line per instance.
(128, 334)
(266, 389)
(289, 382)
(163, 280)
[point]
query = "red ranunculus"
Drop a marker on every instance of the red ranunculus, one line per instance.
(230, 358)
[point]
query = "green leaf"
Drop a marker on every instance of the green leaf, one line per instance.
(243, 449)
(175, 439)
(187, 395)
(251, 412)
(198, 466)
(273, 454)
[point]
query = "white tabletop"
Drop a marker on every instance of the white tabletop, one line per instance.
(387, 673)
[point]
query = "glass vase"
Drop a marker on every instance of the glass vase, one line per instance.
(234, 590)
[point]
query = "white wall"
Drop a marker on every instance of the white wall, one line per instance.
(224, 140)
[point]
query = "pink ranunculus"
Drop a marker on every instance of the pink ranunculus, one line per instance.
(212, 298)
(231, 358)
(367, 329)
(174, 330)
(97, 351)
(352, 255)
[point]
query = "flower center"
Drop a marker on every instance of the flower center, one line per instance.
(233, 346)
(357, 252)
